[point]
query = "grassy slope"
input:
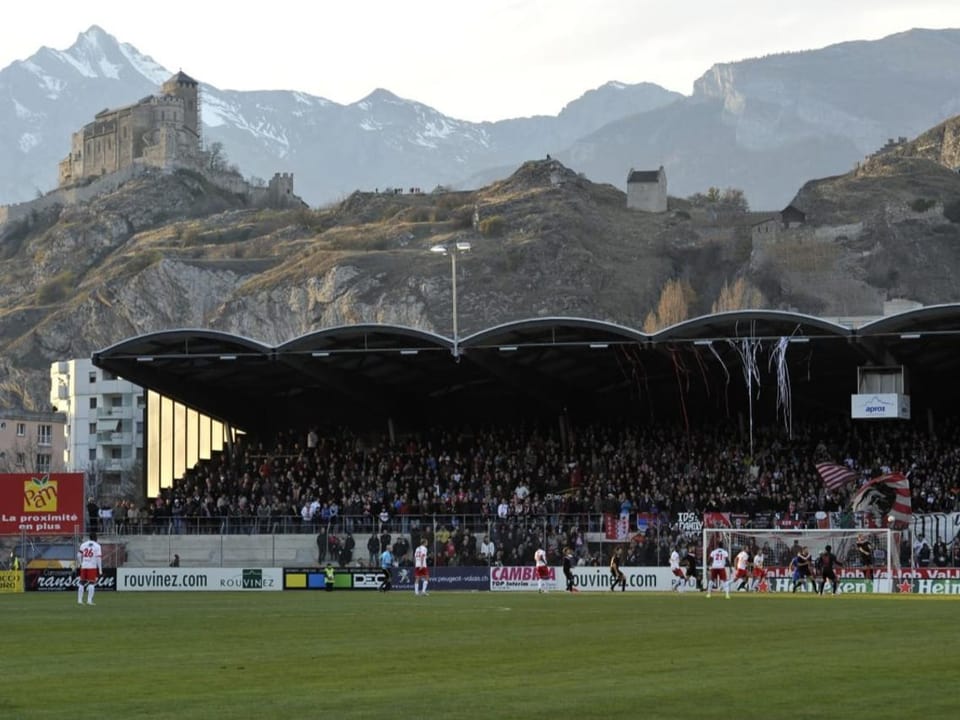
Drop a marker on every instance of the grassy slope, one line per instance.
(460, 655)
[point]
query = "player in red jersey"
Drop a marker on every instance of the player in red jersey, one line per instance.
(542, 569)
(421, 571)
(89, 567)
(759, 571)
(718, 570)
(741, 569)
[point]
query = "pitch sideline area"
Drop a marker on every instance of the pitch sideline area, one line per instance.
(473, 655)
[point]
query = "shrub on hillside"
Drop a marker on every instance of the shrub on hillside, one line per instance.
(493, 226)
(951, 210)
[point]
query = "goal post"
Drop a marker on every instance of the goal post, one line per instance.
(780, 546)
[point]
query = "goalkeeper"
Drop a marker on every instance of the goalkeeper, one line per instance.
(865, 554)
(828, 564)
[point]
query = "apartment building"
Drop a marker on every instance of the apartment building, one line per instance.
(104, 422)
(32, 442)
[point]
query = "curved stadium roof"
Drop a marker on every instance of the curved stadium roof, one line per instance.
(542, 366)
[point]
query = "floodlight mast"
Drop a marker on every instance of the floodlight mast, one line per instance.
(453, 249)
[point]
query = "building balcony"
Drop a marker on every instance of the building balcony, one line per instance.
(114, 438)
(125, 412)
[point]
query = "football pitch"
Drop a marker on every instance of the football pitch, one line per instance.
(477, 655)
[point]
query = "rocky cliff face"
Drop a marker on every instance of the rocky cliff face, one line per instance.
(172, 251)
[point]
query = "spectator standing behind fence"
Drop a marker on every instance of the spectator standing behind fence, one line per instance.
(487, 550)
(120, 517)
(346, 549)
(93, 515)
(941, 554)
(921, 551)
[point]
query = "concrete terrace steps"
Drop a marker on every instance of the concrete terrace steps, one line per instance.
(220, 550)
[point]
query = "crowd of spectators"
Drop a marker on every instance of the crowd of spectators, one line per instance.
(521, 483)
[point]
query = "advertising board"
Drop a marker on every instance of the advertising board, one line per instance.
(41, 504)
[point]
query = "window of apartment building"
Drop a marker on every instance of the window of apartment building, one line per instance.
(116, 453)
(139, 427)
(43, 463)
(92, 455)
(92, 429)
(21, 459)
(93, 376)
(116, 401)
(44, 434)
(21, 429)
(141, 401)
(93, 403)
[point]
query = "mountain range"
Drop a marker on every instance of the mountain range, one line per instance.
(764, 125)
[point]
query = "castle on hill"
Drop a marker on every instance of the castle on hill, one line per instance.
(161, 132)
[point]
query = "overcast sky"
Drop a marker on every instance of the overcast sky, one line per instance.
(482, 60)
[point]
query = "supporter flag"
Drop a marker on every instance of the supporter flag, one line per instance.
(616, 527)
(886, 496)
(835, 476)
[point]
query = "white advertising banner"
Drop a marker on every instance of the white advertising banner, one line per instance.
(585, 579)
(880, 405)
(199, 579)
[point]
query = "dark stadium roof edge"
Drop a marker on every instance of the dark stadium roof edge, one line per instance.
(547, 365)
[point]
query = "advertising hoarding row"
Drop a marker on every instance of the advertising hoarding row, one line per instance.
(935, 581)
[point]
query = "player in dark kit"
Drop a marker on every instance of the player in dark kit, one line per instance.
(865, 554)
(689, 561)
(617, 576)
(828, 564)
(568, 569)
(802, 566)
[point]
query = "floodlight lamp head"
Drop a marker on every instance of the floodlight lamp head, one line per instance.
(439, 249)
(463, 246)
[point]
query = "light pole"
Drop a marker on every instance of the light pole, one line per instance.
(453, 249)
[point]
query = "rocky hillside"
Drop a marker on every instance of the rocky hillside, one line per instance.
(168, 251)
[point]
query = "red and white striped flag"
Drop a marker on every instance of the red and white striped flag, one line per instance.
(887, 496)
(835, 476)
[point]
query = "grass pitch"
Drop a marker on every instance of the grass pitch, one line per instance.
(477, 655)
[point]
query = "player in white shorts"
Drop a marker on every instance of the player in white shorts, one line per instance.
(89, 567)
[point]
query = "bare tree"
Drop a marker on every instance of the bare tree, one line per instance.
(676, 299)
(742, 295)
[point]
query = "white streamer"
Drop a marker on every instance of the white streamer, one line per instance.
(778, 357)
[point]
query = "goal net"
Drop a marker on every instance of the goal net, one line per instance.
(868, 559)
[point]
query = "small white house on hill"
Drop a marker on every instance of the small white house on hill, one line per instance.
(647, 190)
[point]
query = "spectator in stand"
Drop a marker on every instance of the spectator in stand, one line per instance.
(133, 517)
(120, 517)
(373, 549)
(921, 552)
(487, 550)
(941, 554)
(93, 515)
(477, 472)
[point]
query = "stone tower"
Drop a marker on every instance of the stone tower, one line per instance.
(187, 89)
